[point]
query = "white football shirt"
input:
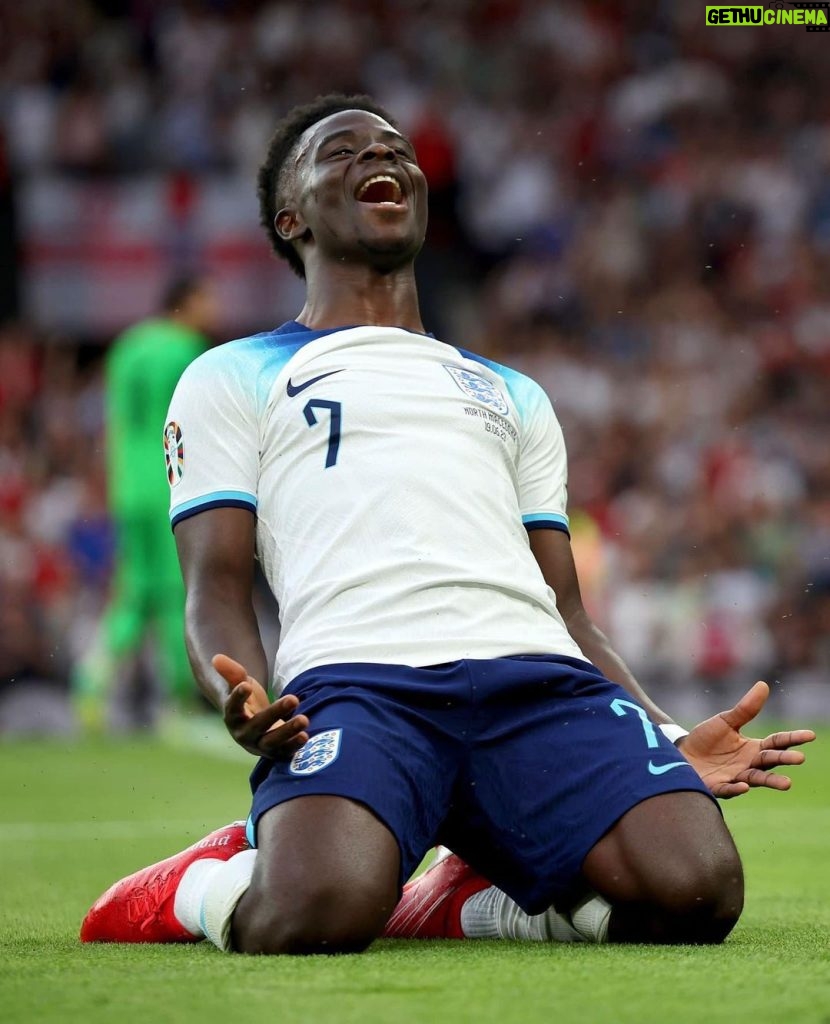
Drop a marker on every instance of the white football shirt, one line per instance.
(394, 479)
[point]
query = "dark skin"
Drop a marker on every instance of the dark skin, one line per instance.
(358, 257)
(326, 876)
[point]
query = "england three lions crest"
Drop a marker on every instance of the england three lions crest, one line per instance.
(479, 388)
(318, 753)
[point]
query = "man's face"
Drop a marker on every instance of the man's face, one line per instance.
(358, 192)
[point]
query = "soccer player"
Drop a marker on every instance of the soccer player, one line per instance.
(142, 369)
(438, 677)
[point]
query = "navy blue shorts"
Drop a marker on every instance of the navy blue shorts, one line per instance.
(519, 765)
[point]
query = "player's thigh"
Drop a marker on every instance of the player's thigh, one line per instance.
(367, 745)
(553, 773)
(162, 560)
(326, 875)
(672, 850)
(351, 815)
(168, 630)
(135, 584)
(127, 613)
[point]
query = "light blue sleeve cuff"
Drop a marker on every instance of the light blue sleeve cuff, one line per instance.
(547, 521)
(216, 499)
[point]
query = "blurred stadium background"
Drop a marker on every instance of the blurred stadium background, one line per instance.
(630, 206)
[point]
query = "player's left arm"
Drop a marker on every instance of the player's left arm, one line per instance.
(552, 550)
(727, 761)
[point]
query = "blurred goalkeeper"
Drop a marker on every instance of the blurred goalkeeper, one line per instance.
(142, 369)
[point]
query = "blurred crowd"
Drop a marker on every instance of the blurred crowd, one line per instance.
(630, 206)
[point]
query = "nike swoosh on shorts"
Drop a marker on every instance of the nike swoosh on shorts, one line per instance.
(661, 769)
(292, 389)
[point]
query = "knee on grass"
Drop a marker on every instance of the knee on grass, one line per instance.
(321, 919)
(695, 900)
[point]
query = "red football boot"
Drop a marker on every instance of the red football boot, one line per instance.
(139, 908)
(430, 907)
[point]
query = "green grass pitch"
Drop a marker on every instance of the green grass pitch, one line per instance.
(75, 817)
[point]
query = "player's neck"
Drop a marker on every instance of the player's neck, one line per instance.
(346, 295)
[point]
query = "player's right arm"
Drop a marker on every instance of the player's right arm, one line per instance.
(212, 446)
(216, 553)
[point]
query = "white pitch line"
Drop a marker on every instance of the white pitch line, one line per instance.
(92, 831)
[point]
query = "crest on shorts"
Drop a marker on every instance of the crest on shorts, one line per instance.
(173, 452)
(479, 388)
(318, 753)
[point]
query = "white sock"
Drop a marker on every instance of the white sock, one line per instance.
(187, 905)
(590, 918)
(491, 914)
(208, 894)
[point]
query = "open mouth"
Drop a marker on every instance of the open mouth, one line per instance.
(380, 190)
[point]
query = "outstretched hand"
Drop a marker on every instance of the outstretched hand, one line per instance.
(731, 764)
(264, 728)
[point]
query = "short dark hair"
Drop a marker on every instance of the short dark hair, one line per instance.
(272, 177)
(179, 289)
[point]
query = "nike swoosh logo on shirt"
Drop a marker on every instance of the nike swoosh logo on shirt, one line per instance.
(661, 769)
(295, 389)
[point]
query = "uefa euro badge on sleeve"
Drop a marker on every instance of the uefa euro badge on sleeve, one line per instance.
(479, 388)
(318, 753)
(173, 452)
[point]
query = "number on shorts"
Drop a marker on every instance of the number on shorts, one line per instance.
(621, 707)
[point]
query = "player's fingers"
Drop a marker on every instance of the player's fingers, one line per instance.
(794, 738)
(234, 708)
(231, 671)
(260, 735)
(779, 782)
(282, 730)
(757, 777)
(286, 741)
(747, 707)
(767, 759)
(280, 710)
(728, 790)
